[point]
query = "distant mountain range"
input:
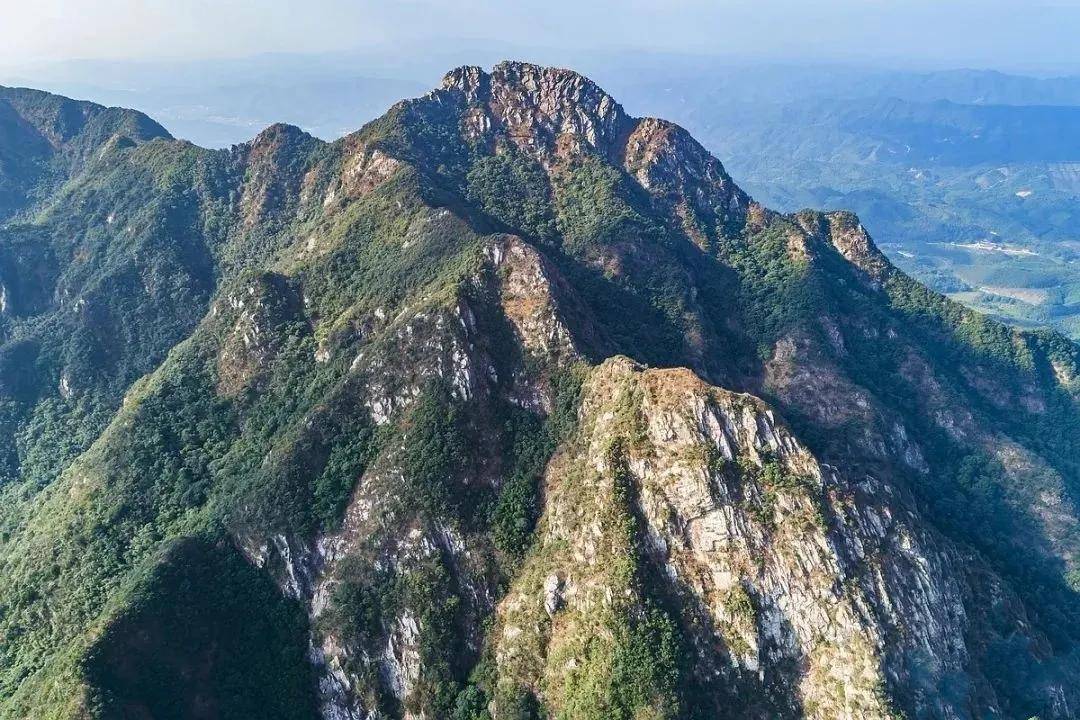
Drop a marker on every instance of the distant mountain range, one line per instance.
(217, 104)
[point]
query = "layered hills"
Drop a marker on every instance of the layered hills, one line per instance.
(508, 405)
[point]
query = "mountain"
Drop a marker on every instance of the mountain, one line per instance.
(968, 178)
(510, 405)
(224, 101)
(979, 87)
(43, 138)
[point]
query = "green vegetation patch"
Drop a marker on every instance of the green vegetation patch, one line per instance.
(204, 634)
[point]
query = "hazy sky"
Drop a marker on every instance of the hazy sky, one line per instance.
(986, 33)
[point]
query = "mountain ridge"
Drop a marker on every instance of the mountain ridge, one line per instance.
(416, 378)
(50, 135)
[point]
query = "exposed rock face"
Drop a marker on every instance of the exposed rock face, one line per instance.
(365, 170)
(523, 285)
(682, 174)
(538, 108)
(271, 178)
(556, 115)
(810, 591)
(262, 309)
(532, 294)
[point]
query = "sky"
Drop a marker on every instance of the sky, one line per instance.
(1018, 34)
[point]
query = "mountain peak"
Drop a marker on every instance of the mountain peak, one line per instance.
(554, 114)
(472, 80)
(548, 87)
(543, 102)
(278, 137)
(63, 121)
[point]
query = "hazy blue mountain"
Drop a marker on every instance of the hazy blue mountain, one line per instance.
(225, 102)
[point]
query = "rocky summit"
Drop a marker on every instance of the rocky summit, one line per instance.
(508, 405)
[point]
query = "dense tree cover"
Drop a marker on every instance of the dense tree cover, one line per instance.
(351, 449)
(529, 442)
(44, 138)
(515, 190)
(433, 454)
(203, 634)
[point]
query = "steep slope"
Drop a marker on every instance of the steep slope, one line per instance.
(45, 138)
(969, 178)
(404, 377)
(807, 592)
